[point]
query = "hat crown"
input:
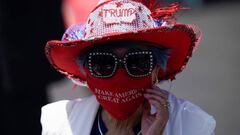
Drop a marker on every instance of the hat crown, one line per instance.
(101, 1)
(118, 16)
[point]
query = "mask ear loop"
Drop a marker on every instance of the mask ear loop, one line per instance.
(153, 109)
(162, 84)
(165, 85)
(171, 85)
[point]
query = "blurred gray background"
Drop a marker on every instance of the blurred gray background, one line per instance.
(212, 77)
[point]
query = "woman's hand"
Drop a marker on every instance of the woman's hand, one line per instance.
(154, 124)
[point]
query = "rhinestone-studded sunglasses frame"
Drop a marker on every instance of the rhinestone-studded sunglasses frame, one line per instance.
(117, 61)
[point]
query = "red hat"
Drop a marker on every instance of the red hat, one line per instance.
(125, 20)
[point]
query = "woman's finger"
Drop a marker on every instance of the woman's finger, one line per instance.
(146, 108)
(162, 111)
(156, 97)
(157, 92)
(157, 104)
(161, 101)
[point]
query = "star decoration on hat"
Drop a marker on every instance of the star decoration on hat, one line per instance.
(149, 18)
(66, 36)
(144, 23)
(100, 14)
(140, 9)
(92, 24)
(91, 30)
(119, 4)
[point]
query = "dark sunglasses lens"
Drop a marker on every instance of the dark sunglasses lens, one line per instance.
(138, 64)
(102, 65)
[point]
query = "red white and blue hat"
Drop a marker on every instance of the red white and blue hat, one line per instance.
(125, 20)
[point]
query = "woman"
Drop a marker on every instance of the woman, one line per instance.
(120, 54)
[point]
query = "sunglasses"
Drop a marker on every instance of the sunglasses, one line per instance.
(104, 65)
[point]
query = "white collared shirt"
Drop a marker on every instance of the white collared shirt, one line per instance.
(76, 117)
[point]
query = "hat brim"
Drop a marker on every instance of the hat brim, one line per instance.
(180, 39)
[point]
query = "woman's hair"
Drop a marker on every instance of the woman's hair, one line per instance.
(160, 54)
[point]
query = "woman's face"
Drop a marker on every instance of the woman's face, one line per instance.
(118, 74)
